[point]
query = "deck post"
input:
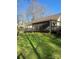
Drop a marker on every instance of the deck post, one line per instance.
(50, 26)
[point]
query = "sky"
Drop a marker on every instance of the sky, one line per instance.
(51, 6)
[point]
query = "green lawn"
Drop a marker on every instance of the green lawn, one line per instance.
(38, 46)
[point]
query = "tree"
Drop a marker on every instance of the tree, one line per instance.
(35, 10)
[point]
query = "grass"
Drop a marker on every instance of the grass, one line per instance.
(38, 46)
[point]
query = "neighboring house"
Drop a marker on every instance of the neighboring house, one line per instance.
(28, 27)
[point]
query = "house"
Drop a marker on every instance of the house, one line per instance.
(49, 23)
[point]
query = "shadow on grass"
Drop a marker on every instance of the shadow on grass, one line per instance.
(21, 55)
(54, 38)
(38, 55)
(47, 51)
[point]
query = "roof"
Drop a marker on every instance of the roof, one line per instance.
(44, 19)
